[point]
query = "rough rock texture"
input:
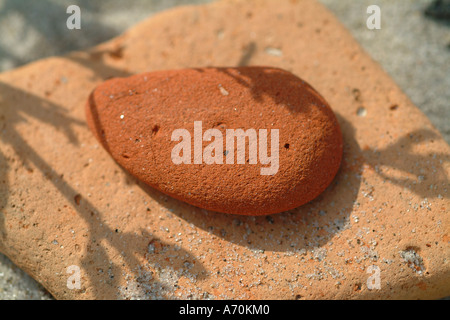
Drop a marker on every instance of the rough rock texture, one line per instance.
(65, 202)
(135, 119)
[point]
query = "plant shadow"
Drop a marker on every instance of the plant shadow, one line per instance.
(278, 85)
(411, 164)
(16, 109)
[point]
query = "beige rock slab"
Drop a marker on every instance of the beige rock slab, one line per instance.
(65, 202)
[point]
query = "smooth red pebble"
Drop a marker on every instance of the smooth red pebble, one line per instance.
(134, 119)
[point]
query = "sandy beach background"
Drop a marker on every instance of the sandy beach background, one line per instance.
(412, 47)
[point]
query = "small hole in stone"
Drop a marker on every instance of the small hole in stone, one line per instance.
(394, 107)
(356, 94)
(117, 53)
(286, 146)
(220, 126)
(77, 199)
(155, 129)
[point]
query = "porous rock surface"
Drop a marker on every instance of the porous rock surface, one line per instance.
(137, 119)
(65, 202)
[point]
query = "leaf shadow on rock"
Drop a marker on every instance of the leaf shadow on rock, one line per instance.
(95, 264)
(408, 164)
(282, 88)
(26, 104)
(247, 54)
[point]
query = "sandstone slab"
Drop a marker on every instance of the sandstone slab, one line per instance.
(64, 202)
